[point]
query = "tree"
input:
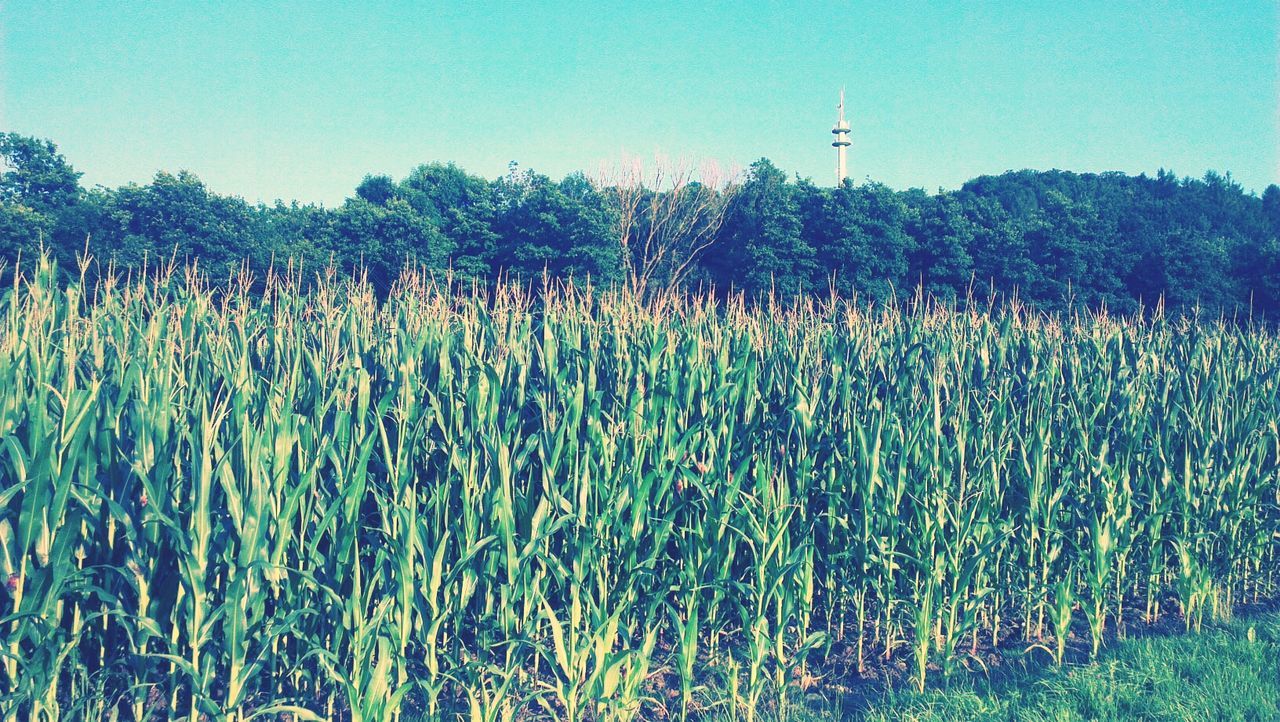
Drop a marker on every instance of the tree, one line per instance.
(462, 207)
(667, 217)
(38, 190)
(1261, 280)
(564, 230)
(1271, 209)
(297, 236)
(22, 230)
(36, 175)
(943, 235)
(1001, 261)
(377, 189)
(765, 249)
(860, 239)
(381, 239)
(178, 214)
(1054, 237)
(1196, 271)
(1074, 253)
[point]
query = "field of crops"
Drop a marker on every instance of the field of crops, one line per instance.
(568, 505)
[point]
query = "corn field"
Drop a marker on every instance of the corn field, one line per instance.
(502, 504)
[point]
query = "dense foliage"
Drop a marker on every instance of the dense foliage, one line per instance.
(484, 505)
(1055, 239)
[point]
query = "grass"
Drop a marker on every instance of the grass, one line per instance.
(1228, 672)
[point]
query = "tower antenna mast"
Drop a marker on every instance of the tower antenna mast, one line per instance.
(841, 144)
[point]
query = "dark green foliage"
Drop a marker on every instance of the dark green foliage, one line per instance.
(1056, 240)
(40, 196)
(1073, 251)
(36, 175)
(377, 189)
(943, 235)
(461, 206)
(21, 231)
(177, 215)
(765, 249)
(561, 229)
(296, 236)
(861, 239)
(383, 238)
(1271, 208)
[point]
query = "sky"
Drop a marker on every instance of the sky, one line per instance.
(300, 100)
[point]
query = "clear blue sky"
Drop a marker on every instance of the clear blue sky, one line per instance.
(300, 100)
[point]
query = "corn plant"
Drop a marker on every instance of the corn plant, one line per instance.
(282, 495)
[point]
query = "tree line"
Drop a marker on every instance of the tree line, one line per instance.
(1054, 239)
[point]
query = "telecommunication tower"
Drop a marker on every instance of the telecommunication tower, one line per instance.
(841, 144)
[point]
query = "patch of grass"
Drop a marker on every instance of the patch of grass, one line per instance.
(1229, 672)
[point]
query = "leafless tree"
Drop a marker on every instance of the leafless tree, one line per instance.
(667, 216)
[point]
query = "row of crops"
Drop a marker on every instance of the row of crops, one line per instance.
(569, 505)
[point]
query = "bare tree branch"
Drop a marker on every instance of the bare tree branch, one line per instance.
(667, 217)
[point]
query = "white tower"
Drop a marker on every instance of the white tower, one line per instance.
(841, 143)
